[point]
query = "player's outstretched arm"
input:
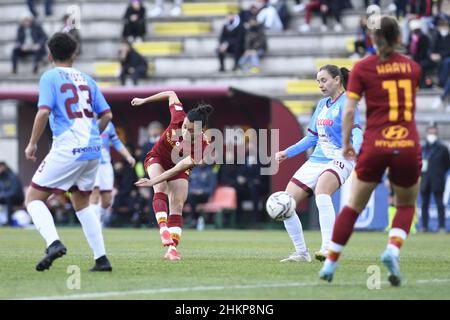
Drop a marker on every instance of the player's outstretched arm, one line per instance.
(127, 155)
(165, 95)
(307, 142)
(40, 121)
(181, 166)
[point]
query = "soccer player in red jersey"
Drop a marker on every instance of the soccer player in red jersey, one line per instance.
(180, 147)
(391, 141)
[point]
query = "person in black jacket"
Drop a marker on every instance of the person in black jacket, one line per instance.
(11, 191)
(440, 49)
(132, 62)
(30, 40)
(231, 40)
(134, 21)
(418, 46)
(435, 164)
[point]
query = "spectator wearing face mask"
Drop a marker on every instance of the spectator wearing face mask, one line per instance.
(418, 45)
(435, 165)
(154, 131)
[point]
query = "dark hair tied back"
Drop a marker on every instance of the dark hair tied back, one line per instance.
(201, 113)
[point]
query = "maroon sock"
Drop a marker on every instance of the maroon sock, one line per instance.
(404, 218)
(160, 205)
(343, 227)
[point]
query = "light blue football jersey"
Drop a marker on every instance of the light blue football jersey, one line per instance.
(75, 102)
(325, 132)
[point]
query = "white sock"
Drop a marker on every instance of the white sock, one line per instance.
(92, 231)
(327, 216)
(43, 220)
(103, 213)
(294, 228)
(96, 208)
(396, 232)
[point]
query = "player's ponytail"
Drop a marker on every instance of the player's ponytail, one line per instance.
(335, 71)
(201, 113)
(345, 73)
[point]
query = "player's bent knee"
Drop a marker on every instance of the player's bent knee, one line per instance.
(34, 194)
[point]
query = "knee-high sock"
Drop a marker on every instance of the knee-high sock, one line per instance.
(160, 207)
(43, 220)
(294, 228)
(400, 227)
(92, 231)
(327, 216)
(175, 224)
(343, 229)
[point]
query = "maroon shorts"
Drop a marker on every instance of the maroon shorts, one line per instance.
(404, 166)
(149, 160)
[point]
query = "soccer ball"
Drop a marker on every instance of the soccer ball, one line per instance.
(280, 206)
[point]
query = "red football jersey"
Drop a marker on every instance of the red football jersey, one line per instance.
(171, 139)
(390, 90)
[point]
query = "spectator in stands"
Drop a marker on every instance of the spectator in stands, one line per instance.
(440, 51)
(363, 42)
(231, 40)
(124, 178)
(154, 130)
(132, 64)
(159, 8)
(283, 12)
(268, 16)
(30, 40)
(70, 27)
(137, 203)
(325, 7)
(435, 165)
(245, 179)
(202, 182)
(134, 22)
(255, 45)
(47, 5)
(419, 43)
(401, 8)
(139, 166)
(11, 190)
(299, 6)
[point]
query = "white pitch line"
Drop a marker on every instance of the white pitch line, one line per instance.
(170, 290)
(108, 294)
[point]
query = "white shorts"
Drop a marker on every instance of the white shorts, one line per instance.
(105, 177)
(306, 177)
(58, 174)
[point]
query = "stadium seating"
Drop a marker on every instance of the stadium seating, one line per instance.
(224, 200)
(182, 50)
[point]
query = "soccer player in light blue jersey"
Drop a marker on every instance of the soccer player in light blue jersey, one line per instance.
(104, 181)
(326, 169)
(78, 112)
